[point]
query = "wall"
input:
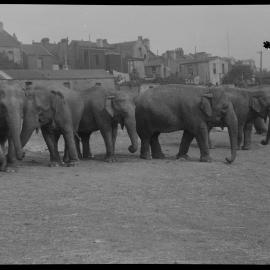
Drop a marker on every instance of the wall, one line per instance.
(30, 61)
(138, 65)
(77, 85)
(217, 78)
(17, 55)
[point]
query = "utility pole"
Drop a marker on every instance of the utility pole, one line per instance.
(260, 52)
(228, 44)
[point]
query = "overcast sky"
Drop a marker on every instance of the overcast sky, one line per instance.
(167, 27)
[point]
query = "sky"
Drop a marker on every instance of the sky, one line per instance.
(235, 30)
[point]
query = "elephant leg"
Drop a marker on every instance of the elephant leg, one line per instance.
(51, 144)
(211, 146)
(114, 135)
(155, 147)
(240, 136)
(202, 140)
(11, 155)
(70, 155)
(85, 137)
(3, 159)
(247, 136)
(184, 145)
(145, 148)
(107, 136)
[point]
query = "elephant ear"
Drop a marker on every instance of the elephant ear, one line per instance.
(205, 104)
(108, 105)
(255, 104)
(57, 101)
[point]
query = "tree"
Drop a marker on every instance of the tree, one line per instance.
(239, 74)
(5, 63)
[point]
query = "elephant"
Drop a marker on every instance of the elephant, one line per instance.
(103, 110)
(248, 106)
(57, 111)
(260, 125)
(168, 108)
(12, 103)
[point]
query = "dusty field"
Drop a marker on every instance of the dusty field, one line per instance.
(137, 211)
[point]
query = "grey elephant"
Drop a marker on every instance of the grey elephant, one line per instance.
(12, 103)
(57, 111)
(169, 108)
(250, 107)
(104, 109)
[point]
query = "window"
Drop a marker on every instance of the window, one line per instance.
(140, 52)
(39, 62)
(97, 59)
(153, 69)
(214, 68)
(66, 84)
(98, 84)
(28, 85)
(223, 68)
(86, 58)
(11, 55)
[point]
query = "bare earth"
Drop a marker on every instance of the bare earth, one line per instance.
(138, 211)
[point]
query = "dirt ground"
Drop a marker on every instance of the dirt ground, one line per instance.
(138, 211)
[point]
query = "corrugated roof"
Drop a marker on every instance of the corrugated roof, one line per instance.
(7, 40)
(34, 74)
(35, 49)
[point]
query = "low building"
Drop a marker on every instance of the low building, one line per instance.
(136, 66)
(36, 56)
(10, 46)
(156, 68)
(207, 70)
(75, 79)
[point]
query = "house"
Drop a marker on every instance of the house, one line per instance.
(10, 46)
(156, 67)
(75, 79)
(137, 49)
(203, 70)
(90, 55)
(36, 56)
(136, 67)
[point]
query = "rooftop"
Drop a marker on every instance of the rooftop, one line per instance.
(34, 74)
(35, 49)
(7, 40)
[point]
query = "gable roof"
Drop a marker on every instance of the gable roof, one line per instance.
(35, 74)
(7, 40)
(35, 49)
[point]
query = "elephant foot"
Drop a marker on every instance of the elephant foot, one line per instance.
(110, 159)
(205, 159)
(55, 164)
(132, 149)
(158, 155)
(8, 170)
(264, 142)
(182, 157)
(145, 156)
(72, 163)
(245, 147)
(88, 157)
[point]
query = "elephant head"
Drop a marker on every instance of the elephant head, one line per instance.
(219, 111)
(121, 107)
(12, 103)
(43, 107)
(260, 105)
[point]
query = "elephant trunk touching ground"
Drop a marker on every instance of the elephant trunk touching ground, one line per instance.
(130, 125)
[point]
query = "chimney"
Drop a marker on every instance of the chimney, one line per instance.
(1, 27)
(140, 38)
(146, 43)
(99, 42)
(45, 41)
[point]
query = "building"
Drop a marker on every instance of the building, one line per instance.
(203, 70)
(36, 56)
(75, 79)
(10, 46)
(156, 67)
(132, 51)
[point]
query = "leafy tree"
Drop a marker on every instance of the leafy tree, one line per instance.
(5, 63)
(239, 74)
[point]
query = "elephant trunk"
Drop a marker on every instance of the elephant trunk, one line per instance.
(232, 124)
(26, 134)
(130, 125)
(14, 125)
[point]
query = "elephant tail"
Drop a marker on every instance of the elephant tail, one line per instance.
(77, 136)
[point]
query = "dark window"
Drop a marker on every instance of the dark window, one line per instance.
(154, 69)
(223, 68)
(97, 59)
(66, 84)
(214, 68)
(98, 84)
